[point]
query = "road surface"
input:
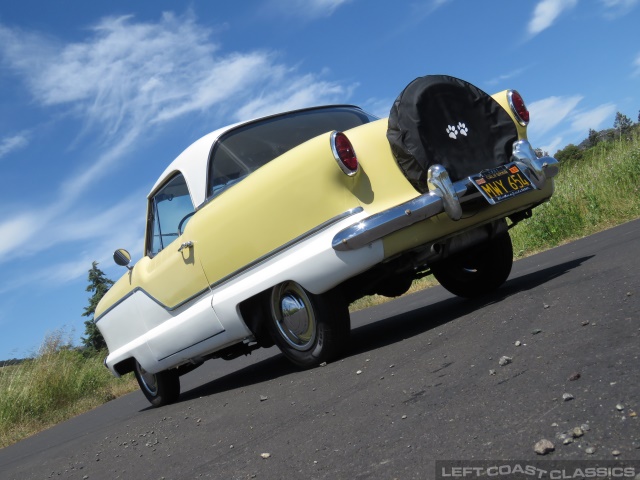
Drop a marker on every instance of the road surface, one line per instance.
(421, 383)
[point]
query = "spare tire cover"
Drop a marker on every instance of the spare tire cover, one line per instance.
(438, 119)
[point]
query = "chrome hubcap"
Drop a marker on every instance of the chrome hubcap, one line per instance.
(293, 315)
(148, 379)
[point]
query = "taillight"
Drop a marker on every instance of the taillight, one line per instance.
(344, 154)
(518, 107)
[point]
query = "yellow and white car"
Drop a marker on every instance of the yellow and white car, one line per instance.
(264, 231)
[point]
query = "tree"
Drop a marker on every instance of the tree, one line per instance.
(569, 153)
(99, 284)
(541, 153)
(622, 123)
(594, 137)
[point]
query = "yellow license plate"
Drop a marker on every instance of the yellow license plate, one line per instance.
(501, 183)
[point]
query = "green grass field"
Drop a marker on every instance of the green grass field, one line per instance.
(58, 383)
(594, 193)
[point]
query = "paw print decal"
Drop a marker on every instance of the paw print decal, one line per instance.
(455, 130)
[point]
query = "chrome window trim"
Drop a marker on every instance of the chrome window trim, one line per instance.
(286, 246)
(192, 345)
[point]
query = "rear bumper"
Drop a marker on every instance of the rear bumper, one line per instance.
(443, 196)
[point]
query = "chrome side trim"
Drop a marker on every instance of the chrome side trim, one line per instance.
(240, 271)
(286, 246)
(384, 223)
(443, 196)
(192, 345)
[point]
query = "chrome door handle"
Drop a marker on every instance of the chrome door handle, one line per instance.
(188, 244)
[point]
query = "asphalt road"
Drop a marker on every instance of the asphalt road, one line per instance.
(416, 387)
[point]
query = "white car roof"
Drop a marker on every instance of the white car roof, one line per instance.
(192, 163)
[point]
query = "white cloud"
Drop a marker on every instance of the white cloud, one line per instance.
(636, 65)
(13, 143)
(378, 107)
(507, 76)
(583, 121)
(548, 113)
(309, 9)
(303, 92)
(552, 146)
(546, 13)
(16, 232)
(29, 233)
(568, 123)
(126, 79)
(616, 8)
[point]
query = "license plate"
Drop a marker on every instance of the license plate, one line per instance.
(501, 183)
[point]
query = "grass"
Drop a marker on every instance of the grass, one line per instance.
(58, 383)
(594, 193)
(597, 192)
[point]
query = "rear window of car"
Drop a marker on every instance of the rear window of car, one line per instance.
(245, 149)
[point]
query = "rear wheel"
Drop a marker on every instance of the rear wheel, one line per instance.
(309, 329)
(478, 270)
(160, 388)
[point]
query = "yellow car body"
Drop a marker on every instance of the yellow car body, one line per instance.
(300, 225)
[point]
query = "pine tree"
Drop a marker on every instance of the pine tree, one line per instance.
(622, 123)
(99, 284)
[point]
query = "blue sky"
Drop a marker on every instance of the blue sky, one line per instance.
(96, 98)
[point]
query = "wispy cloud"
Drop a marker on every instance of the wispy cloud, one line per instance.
(507, 76)
(636, 65)
(13, 143)
(378, 107)
(307, 9)
(546, 13)
(548, 113)
(423, 8)
(29, 232)
(582, 121)
(128, 78)
(616, 8)
(568, 123)
(303, 91)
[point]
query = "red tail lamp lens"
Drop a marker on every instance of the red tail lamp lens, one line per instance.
(344, 153)
(519, 108)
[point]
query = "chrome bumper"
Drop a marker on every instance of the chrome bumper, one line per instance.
(444, 196)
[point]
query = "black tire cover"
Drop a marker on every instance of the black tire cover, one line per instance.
(438, 119)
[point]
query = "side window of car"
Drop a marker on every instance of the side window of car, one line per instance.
(169, 210)
(226, 168)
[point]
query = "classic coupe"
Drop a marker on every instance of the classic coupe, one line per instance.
(263, 232)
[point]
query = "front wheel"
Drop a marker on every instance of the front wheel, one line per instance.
(309, 329)
(478, 270)
(160, 388)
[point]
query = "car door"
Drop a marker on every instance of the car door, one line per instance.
(171, 275)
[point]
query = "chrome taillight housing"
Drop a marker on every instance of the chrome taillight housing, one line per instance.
(344, 153)
(518, 107)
